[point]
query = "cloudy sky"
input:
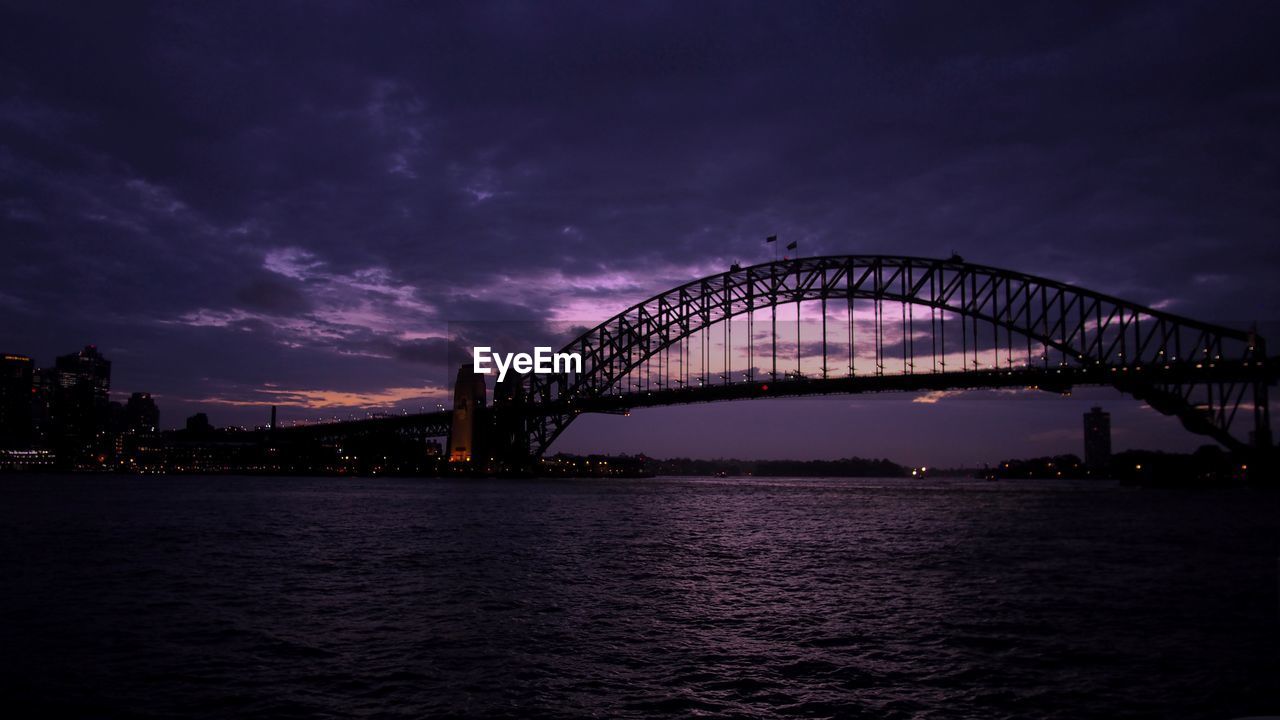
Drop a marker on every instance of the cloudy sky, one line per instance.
(253, 203)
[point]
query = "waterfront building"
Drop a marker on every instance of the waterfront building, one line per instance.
(80, 407)
(16, 377)
(141, 414)
(1097, 440)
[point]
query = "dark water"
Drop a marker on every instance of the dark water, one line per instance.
(225, 597)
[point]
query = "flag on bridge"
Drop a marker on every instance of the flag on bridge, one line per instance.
(771, 238)
(792, 245)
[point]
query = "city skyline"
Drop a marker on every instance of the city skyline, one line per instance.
(292, 219)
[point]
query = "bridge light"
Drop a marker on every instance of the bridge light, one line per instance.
(764, 388)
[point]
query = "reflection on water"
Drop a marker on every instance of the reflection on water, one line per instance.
(846, 598)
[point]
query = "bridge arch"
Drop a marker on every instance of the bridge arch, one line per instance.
(1051, 333)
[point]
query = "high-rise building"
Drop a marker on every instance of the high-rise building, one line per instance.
(44, 384)
(80, 408)
(1097, 440)
(16, 375)
(86, 369)
(468, 403)
(141, 414)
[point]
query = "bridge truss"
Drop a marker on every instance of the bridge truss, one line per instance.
(864, 323)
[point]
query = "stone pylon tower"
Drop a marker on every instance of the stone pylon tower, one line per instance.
(510, 435)
(468, 406)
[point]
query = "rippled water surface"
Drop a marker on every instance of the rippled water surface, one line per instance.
(295, 597)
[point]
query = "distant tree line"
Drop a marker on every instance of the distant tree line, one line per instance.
(1209, 464)
(1056, 466)
(845, 467)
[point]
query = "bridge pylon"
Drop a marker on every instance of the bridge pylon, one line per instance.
(508, 428)
(467, 429)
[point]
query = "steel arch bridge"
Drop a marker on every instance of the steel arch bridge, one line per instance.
(872, 323)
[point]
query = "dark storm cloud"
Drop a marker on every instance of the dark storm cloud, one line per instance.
(306, 192)
(272, 296)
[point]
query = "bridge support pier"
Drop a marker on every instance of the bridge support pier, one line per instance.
(1261, 416)
(466, 430)
(509, 430)
(489, 439)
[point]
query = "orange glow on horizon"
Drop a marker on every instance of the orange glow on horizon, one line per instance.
(316, 399)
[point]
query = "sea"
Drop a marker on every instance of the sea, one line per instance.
(291, 597)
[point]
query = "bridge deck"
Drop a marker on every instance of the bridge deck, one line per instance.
(1057, 380)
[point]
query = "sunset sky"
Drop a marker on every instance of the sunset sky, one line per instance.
(244, 205)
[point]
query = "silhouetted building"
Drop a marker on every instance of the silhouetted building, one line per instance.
(79, 406)
(44, 384)
(117, 422)
(198, 424)
(16, 375)
(468, 402)
(1097, 440)
(87, 369)
(141, 414)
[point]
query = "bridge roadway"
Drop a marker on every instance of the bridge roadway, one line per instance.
(1142, 381)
